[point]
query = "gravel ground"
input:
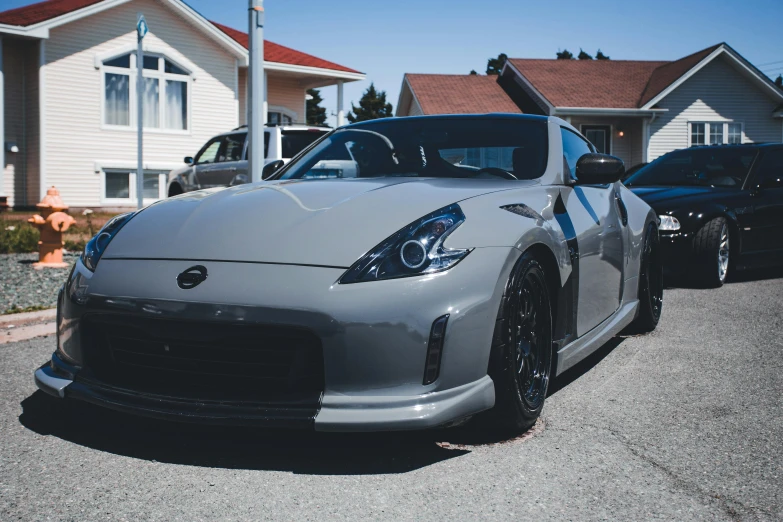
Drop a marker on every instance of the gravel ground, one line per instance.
(23, 286)
(682, 424)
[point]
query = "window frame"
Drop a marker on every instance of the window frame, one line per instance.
(707, 131)
(159, 74)
(131, 199)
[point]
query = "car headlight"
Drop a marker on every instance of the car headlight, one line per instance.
(669, 223)
(97, 245)
(414, 250)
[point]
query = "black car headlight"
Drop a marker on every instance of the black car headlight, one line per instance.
(414, 250)
(97, 245)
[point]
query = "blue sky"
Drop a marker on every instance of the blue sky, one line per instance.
(387, 39)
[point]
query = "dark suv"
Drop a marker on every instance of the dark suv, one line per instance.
(721, 208)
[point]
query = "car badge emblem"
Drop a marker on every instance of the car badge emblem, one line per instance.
(192, 277)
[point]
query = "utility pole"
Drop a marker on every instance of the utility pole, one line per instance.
(256, 89)
(141, 30)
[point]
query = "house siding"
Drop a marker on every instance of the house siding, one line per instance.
(628, 147)
(287, 92)
(718, 93)
(76, 142)
(414, 109)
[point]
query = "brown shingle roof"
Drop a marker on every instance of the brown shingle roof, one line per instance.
(460, 94)
(667, 74)
(588, 83)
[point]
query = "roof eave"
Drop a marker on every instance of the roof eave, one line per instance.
(605, 111)
(759, 78)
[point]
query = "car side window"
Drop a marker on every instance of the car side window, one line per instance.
(574, 147)
(235, 143)
(770, 171)
(209, 153)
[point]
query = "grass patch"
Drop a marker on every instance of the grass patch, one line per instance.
(18, 237)
(35, 308)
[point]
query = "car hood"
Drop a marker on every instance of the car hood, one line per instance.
(314, 222)
(656, 195)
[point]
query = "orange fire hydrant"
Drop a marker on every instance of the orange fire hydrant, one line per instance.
(52, 224)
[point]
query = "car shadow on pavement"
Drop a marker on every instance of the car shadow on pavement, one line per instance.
(584, 366)
(233, 447)
(760, 274)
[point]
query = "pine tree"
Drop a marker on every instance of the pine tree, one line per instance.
(565, 54)
(601, 56)
(779, 81)
(473, 72)
(583, 55)
(372, 106)
(495, 65)
(316, 115)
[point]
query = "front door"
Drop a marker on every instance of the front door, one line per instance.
(594, 218)
(600, 136)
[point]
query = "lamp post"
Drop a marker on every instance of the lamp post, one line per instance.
(256, 89)
(141, 31)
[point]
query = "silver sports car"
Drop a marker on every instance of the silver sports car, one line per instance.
(451, 265)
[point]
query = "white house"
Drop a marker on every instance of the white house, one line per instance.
(68, 94)
(636, 110)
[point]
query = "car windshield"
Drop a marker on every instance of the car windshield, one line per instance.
(708, 167)
(491, 148)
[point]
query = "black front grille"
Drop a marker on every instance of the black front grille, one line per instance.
(204, 361)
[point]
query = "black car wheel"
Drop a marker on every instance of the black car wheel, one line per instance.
(650, 284)
(711, 250)
(521, 358)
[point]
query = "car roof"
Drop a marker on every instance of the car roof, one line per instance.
(495, 116)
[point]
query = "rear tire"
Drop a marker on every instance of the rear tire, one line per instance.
(521, 357)
(710, 262)
(175, 190)
(650, 284)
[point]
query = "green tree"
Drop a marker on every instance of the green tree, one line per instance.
(779, 81)
(565, 54)
(495, 65)
(473, 72)
(601, 56)
(583, 55)
(372, 106)
(316, 115)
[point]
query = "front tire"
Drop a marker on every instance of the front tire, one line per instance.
(650, 284)
(710, 264)
(521, 358)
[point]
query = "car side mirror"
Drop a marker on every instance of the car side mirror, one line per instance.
(189, 160)
(599, 169)
(271, 168)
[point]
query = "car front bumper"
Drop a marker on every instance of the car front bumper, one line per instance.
(374, 338)
(676, 251)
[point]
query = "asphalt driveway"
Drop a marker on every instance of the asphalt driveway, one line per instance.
(686, 423)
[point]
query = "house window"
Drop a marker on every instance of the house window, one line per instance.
(279, 118)
(697, 134)
(165, 93)
(735, 133)
(715, 133)
(120, 185)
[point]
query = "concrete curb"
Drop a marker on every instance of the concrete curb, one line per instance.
(26, 318)
(27, 332)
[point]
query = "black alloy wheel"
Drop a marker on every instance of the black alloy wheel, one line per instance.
(521, 358)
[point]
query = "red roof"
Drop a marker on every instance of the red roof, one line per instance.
(667, 74)
(42, 11)
(460, 94)
(49, 9)
(281, 54)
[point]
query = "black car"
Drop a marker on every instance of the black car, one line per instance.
(721, 208)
